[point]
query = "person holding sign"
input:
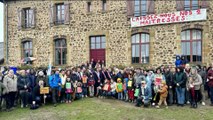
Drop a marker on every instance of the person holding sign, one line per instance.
(119, 89)
(69, 90)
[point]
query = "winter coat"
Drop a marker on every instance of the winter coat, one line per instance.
(54, 81)
(163, 91)
(197, 81)
(180, 78)
(147, 93)
(23, 81)
(10, 83)
(210, 74)
(203, 76)
(178, 61)
(138, 78)
(119, 87)
(32, 80)
(170, 78)
(3, 89)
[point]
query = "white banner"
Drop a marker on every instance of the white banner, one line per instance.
(165, 18)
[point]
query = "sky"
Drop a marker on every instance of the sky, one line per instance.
(1, 22)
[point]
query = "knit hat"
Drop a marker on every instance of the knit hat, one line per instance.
(119, 79)
(163, 82)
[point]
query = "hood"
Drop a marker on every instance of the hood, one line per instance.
(177, 57)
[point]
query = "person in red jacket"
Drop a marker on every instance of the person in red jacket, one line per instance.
(210, 82)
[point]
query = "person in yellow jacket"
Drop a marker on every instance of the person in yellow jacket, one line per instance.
(119, 88)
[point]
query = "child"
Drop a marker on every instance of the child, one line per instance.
(84, 81)
(163, 94)
(106, 88)
(79, 90)
(119, 89)
(130, 90)
(136, 93)
(91, 83)
(68, 87)
(125, 94)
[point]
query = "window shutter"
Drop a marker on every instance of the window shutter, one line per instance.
(19, 12)
(23, 18)
(130, 8)
(33, 24)
(150, 6)
(52, 14)
(204, 3)
(179, 5)
(66, 13)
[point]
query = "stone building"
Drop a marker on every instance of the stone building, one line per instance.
(68, 32)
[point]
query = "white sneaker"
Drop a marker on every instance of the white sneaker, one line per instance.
(203, 103)
(153, 104)
(188, 102)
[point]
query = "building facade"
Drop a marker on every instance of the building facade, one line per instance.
(68, 33)
(1, 50)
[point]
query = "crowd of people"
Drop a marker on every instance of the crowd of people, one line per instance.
(180, 85)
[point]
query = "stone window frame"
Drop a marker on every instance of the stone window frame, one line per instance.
(23, 41)
(190, 6)
(191, 41)
(58, 8)
(55, 38)
(140, 48)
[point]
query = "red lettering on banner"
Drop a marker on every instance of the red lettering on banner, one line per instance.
(198, 11)
(177, 18)
(168, 20)
(153, 21)
(173, 19)
(169, 15)
(182, 13)
(155, 16)
(147, 22)
(158, 20)
(163, 20)
(137, 19)
(190, 12)
(182, 18)
(142, 23)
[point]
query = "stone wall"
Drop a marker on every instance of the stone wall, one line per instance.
(113, 23)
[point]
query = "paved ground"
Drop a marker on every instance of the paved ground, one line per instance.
(107, 109)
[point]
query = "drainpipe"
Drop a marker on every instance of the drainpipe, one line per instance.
(7, 61)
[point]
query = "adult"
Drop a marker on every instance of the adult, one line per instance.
(55, 84)
(32, 79)
(145, 95)
(24, 88)
(138, 78)
(170, 78)
(180, 82)
(10, 82)
(63, 81)
(195, 81)
(210, 82)
(203, 74)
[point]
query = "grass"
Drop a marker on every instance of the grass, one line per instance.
(107, 109)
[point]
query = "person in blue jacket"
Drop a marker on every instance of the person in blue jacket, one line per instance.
(55, 85)
(178, 61)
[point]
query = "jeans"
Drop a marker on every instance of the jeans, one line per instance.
(120, 95)
(139, 102)
(68, 95)
(180, 95)
(91, 91)
(111, 93)
(170, 96)
(24, 97)
(55, 95)
(84, 91)
(211, 94)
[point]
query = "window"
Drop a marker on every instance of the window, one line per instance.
(140, 7)
(60, 51)
(26, 18)
(88, 6)
(103, 5)
(140, 48)
(191, 45)
(59, 13)
(27, 49)
(191, 4)
(98, 42)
